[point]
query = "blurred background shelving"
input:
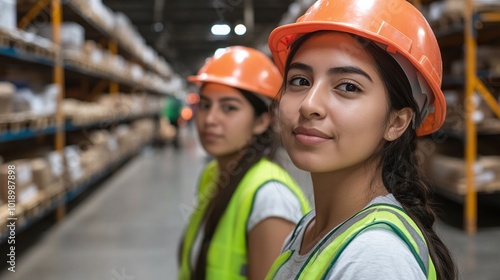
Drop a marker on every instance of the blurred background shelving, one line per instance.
(462, 160)
(79, 95)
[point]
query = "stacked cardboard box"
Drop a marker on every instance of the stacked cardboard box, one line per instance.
(486, 121)
(7, 91)
(26, 194)
(110, 108)
(449, 173)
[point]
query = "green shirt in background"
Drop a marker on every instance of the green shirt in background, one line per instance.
(172, 109)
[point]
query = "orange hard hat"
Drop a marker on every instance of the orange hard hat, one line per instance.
(241, 67)
(397, 26)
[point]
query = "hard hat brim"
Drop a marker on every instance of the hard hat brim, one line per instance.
(229, 81)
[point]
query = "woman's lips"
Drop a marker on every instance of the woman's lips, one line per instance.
(310, 136)
(210, 137)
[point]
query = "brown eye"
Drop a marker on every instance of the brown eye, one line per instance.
(203, 105)
(299, 82)
(349, 87)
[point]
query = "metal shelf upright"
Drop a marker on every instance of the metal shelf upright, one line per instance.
(473, 84)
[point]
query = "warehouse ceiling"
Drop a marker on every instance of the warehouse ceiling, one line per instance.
(180, 29)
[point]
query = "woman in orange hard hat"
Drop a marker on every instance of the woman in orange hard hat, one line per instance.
(361, 81)
(247, 204)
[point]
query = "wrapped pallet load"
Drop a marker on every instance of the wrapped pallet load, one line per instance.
(25, 192)
(75, 172)
(46, 177)
(8, 20)
(72, 34)
(449, 173)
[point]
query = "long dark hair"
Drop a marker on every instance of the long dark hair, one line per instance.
(398, 159)
(263, 145)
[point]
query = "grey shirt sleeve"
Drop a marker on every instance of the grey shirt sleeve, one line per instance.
(376, 254)
(274, 200)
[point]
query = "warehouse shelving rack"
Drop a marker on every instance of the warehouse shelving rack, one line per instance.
(475, 22)
(473, 84)
(25, 133)
(61, 69)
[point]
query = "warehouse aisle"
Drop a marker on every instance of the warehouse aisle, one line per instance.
(129, 228)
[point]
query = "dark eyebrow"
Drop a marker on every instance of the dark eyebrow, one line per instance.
(349, 70)
(300, 66)
(226, 99)
(223, 99)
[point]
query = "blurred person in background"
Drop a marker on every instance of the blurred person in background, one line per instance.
(247, 204)
(169, 123)
(361, 82)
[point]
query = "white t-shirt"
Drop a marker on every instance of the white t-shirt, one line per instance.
(273, 200)
(375, 254)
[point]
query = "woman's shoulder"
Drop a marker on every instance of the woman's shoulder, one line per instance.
(373, 255)
(274, 199)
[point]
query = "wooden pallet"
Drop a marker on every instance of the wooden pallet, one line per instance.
(41, 123)
(15, 123)
(54, 195)
(9, 40)
(4, 40)
(44, 52)
(489, 126)
(33, 207)
(487, 8)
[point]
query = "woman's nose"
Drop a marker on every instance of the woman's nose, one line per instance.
(313, 104)
(211, 115)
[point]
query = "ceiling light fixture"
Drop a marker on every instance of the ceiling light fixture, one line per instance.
(220, 29)
(240, 29)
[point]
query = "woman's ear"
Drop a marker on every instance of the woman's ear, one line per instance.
(399, 122)
(261, 123)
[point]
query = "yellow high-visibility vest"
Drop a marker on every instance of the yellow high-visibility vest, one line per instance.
(326, 253)
(227, 254)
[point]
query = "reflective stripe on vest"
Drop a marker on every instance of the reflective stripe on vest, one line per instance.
(227, 254)
(385, 216)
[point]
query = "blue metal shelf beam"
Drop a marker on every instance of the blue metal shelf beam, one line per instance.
(28, 133)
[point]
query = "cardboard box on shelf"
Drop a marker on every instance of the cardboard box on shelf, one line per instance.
(29, 196)
(486, 121)
(42, 174)
(125, 140)
(91, 161)
(449, 173)
(73, 164)
(56, 165)
(72, 34)
(23, 178)
(7, 91)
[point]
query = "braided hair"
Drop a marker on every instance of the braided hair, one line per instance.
(401, 172)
